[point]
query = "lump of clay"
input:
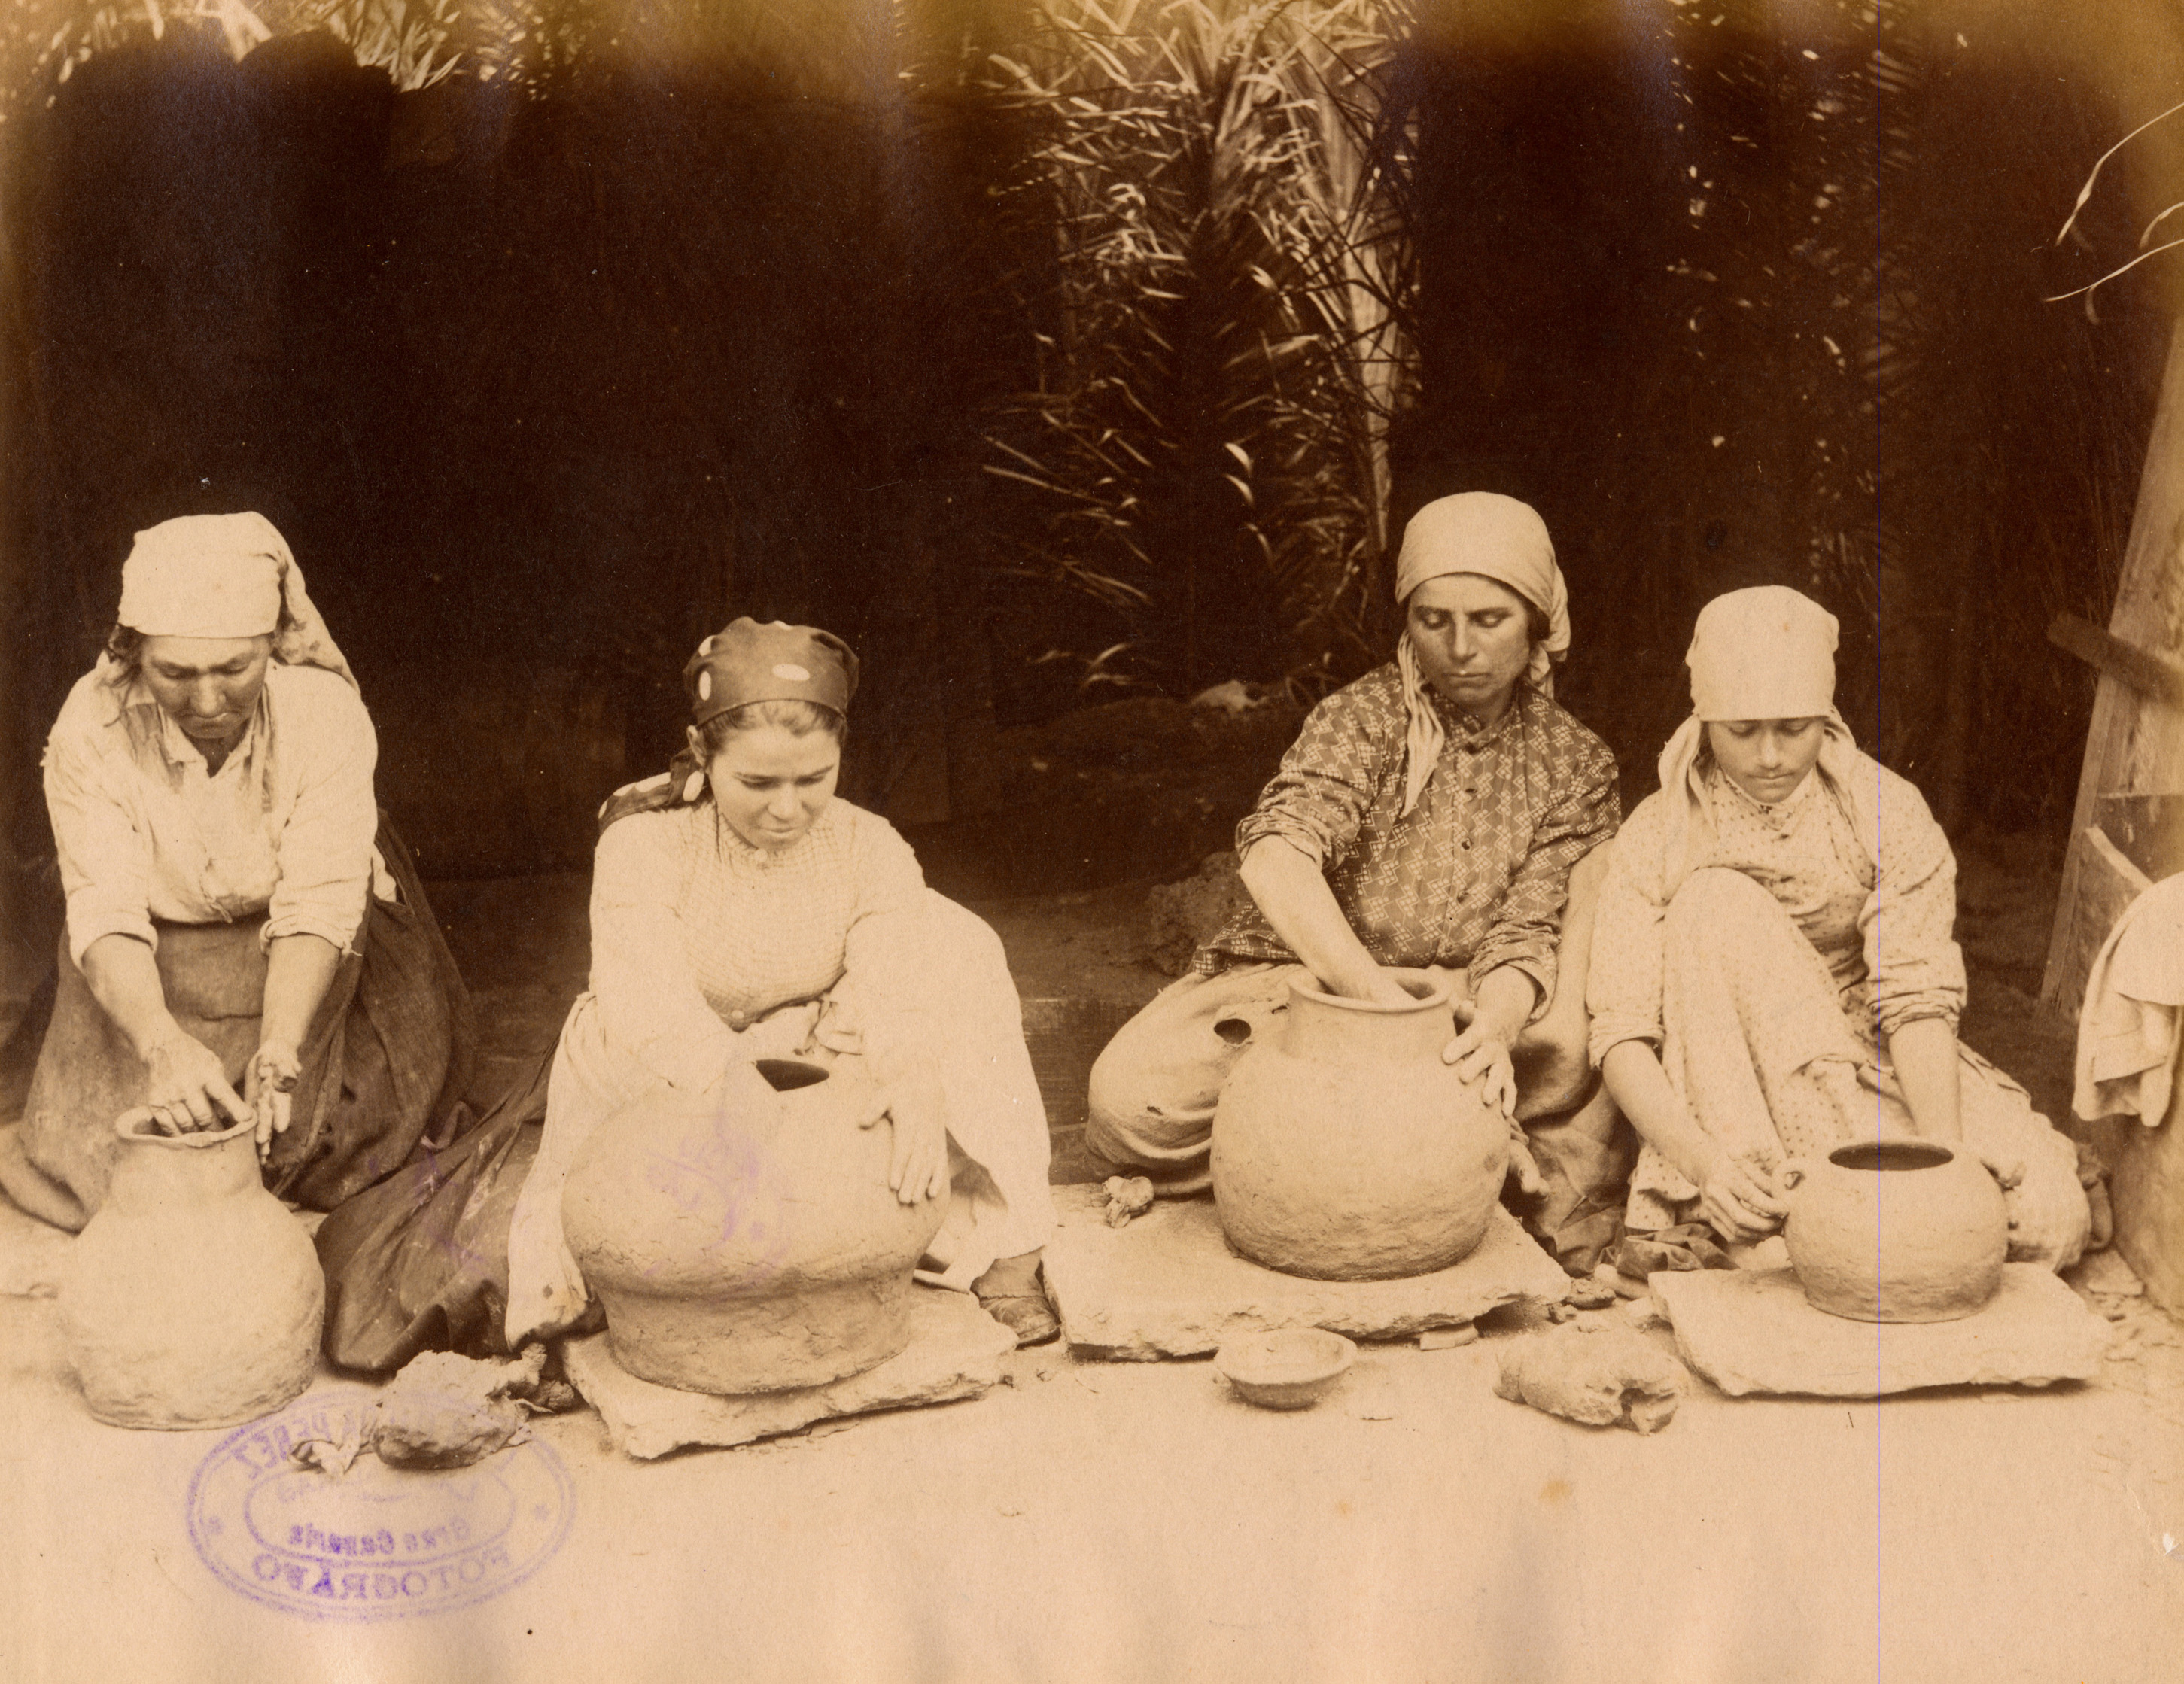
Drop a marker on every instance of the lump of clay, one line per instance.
(1127, 1196)
(1605, 1377)
(446, 1411)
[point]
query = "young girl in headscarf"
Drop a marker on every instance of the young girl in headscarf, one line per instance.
(1773, 973)
(738, 912)
(239, 950)
(1429, 815)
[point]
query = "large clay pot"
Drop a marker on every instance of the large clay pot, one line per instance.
(750, 1246)
(1895, 1231)
(193, 1298)
(1345, 1149)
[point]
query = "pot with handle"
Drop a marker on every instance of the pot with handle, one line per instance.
(1344, 1149)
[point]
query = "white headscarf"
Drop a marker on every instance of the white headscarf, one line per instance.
(1765, 653)
(1498, 538)
(224, 576)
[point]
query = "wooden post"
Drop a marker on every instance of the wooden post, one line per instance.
(2123, 836)
(2135, 746)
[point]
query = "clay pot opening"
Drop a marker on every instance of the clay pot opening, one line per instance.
(1430, 993)
(785, 1075)
(136, 1127)
(1892, 1154)
(1233, 1030)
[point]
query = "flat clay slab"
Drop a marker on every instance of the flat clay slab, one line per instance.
(956, 1351)
(1167, 1285)
(1753, 1331)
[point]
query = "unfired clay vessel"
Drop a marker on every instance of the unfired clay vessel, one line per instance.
(191, 1299)
(750, 1246)
(1344, 1149)
(1895, 1231)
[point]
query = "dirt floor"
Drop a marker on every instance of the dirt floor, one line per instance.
(1102, 1521)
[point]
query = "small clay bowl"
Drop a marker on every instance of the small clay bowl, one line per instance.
(1291, 1368)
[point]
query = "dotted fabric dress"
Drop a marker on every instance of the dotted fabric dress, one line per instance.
(1769, 978)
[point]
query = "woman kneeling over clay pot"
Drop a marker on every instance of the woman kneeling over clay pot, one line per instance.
(739, 914)
(1429, 815)
(231, 925)
(1773, 971)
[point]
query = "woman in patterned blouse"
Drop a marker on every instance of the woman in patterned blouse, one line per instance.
(1773, 969)
(1429, 815)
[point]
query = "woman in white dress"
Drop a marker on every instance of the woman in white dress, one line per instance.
(740, 911)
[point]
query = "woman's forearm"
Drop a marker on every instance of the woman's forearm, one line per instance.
(1924, 1054)
(1640, 1087)
(1290, 890)
(124, 978)
(1505, 1000)
(299, 968)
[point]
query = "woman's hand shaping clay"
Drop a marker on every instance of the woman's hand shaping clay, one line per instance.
(1738, 1200)
(187, 1088)
(918, 1167)
(1481, 1050)
(273, 1072)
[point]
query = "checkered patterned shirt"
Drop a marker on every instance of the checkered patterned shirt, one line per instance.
(1477, 876)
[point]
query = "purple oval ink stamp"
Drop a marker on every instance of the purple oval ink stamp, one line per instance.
(375, 1542)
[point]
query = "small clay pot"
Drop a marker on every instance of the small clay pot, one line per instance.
(1344, 1149)
(752, 1246)
(193, 1298)
(1895, 1231)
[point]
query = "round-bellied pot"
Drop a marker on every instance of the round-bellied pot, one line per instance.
(1344, 1149)
(1895, 1231)
(752, 1246)
(191, 1299)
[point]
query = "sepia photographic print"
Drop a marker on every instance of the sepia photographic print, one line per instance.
(1109, 840)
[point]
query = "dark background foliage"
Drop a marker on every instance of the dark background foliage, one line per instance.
(545, 376)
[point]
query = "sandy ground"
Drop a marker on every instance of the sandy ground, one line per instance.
(1110, 1522)
(1136, 1522)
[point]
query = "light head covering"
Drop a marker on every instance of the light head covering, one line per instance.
(745, 662)
(1765, 653)
(1768, 653)
(224, 576)
(1495, 537)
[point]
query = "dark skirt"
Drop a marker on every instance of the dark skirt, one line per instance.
(386, 1067)
(420, 1263)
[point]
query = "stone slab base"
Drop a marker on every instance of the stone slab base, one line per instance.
(956, 1351)
(1167, 1285)
(1753, 1331)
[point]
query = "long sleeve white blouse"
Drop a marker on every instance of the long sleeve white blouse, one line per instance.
(696, 935)
(144, 831)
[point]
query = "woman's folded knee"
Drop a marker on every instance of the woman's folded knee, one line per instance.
(1715, 895)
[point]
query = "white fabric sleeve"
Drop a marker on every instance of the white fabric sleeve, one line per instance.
(324, 847)
(1625, 969)
(105, 858)
(886, 955)
(648, 999)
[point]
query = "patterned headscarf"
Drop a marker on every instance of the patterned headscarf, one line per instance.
(1495, 537)
(743, 663)
(1765, 653)
(223, 576)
